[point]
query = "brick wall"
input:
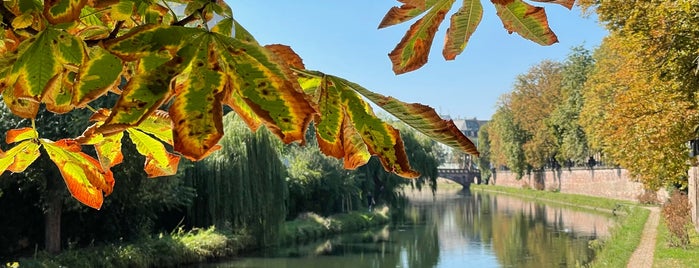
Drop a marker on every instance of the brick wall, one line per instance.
(609, 183)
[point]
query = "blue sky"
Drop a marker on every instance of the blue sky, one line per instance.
(341, 38)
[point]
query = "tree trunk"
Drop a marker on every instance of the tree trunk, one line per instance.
(52, 215)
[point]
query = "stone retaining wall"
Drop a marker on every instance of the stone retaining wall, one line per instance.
(608, 183)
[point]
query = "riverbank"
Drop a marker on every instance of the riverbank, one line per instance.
(625, 237)
(201, 245)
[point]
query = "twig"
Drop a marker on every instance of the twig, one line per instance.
(113, 34)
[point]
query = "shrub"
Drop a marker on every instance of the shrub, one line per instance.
(648, 197)
(676, 212)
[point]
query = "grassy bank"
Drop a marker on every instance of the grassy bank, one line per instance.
(666, 256)
(625, 237)
(201, 245)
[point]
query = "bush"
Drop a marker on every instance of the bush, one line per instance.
(676, 212)
(648, 197)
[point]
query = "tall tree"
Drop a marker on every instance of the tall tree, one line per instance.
(564, 121)
(483, 161)
(242, 185)
(534, 97)
(507, 139)
(642, 94)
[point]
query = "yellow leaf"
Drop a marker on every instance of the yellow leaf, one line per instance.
(23, 21)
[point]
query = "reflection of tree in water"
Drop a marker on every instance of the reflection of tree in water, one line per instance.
(526, 238)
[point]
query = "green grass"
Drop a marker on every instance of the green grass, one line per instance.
(666, 256)
(311, 226)
(576, 200)
(625, 237)
(201, 245)
(164, 250)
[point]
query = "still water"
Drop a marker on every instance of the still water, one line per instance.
(455, 229)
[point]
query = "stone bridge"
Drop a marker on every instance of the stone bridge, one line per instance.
(461, 176)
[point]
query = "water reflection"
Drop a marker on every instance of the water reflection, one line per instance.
(455, 230)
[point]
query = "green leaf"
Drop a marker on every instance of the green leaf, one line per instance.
(159, 162)
(59, 92)
(97, 76)
(41, 59)
(412, 51)
(421, 117)
(265, 86)
(463, 23)
(347, 128)
(159, 125)
(150, 39)
(196, 110)
(242, 34)
(84, 176)
(381, 139)
(528, 21)
(60, 11)
(142, 96)
(224, 27)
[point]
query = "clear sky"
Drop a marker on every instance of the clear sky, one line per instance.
(341, 38)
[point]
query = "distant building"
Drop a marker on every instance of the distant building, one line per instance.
(469, 127)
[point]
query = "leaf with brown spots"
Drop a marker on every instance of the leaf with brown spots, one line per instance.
(526, 20)
(347, 128)
(422, 118)
(258, 84)
(41, 69)
(196, 111)
(412, 51)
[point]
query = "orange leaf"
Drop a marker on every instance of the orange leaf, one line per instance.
(287, 55)
(84, 176)
(155, 169)
(16, 135)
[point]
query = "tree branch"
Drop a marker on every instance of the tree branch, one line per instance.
(191, 17)
(112, 34)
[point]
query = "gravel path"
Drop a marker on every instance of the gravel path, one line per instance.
(643, 256)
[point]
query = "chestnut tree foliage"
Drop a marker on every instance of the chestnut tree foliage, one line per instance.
(176, 64)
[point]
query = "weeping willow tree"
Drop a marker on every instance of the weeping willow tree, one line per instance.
(242, 185)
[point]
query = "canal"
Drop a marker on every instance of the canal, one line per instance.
(455, 229)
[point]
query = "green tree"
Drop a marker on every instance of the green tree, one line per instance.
(242, 185)
(483, 161)
(507, 139)
(564, 121)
